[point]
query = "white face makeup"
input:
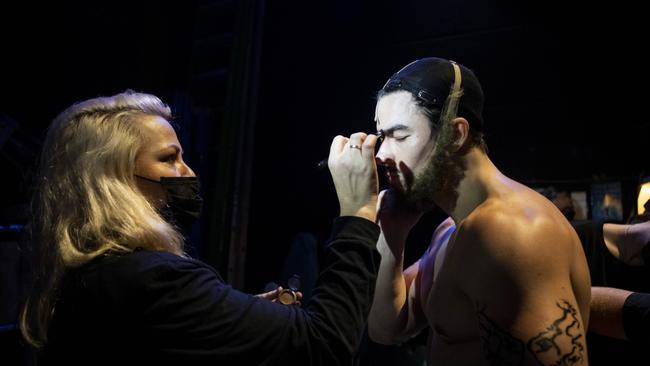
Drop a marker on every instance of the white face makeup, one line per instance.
(407, 145)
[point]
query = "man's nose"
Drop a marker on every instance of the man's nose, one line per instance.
(383, 155)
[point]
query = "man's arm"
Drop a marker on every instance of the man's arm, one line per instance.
(620, 314)
(397, 313)
(626, 242)
(388, 322)
(607, 311)
(519, 279)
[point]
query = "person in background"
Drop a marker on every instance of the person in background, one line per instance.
(622, 315)
(619, 263)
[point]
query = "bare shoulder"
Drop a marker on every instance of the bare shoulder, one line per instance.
(502, 226)
(524, 257)
(518, 240)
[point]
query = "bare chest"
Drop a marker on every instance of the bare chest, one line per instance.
(450, 312)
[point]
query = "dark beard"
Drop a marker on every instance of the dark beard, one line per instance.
(443, 172)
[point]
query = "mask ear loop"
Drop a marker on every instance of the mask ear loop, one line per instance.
(450, 108)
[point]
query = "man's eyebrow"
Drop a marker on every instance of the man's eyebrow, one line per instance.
(396, 127)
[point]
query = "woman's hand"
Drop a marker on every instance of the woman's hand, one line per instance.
(354, 172)
(274, 295)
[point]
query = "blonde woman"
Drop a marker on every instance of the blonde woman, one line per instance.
(114, 284)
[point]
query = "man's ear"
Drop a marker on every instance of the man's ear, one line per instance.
(461, 132)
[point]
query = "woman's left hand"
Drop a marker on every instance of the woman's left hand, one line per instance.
(274, 294)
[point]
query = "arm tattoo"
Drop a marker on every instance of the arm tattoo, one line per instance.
(501, 348)
(567, 326)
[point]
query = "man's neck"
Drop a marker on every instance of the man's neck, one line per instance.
(472, 189)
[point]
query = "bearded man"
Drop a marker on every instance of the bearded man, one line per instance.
(505, 280)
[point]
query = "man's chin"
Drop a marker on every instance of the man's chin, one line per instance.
(415, 193)
(416, 202)
(420, 194)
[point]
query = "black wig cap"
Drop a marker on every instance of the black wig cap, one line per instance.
(430, 80)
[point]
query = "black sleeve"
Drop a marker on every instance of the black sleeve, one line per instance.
(190, 311)
(636, 317)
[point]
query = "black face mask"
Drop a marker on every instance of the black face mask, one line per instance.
(184, 200)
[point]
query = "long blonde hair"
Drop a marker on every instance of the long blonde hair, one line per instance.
(86, 201)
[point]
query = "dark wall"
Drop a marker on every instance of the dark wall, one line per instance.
(57, 54)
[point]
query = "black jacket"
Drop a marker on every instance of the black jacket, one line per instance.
(156, 307)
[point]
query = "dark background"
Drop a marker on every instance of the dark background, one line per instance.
(269, 84)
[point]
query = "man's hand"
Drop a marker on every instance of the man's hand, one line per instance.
(396, 218)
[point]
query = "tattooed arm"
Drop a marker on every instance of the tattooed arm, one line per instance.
(528, 300)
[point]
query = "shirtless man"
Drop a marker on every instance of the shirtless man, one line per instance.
(510, 286)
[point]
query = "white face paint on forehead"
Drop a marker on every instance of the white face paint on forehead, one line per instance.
(407, 142)
(397, 111)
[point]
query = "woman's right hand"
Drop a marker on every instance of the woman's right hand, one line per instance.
(354, 172)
